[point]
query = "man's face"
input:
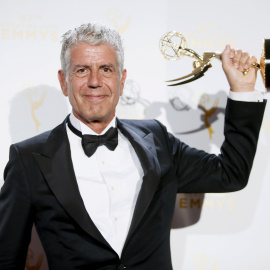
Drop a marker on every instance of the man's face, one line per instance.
(94, 84)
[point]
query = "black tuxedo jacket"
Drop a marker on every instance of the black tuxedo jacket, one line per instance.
(40, 187)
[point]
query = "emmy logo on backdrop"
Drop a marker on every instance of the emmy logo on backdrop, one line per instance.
(114, 16)
(202, 262)
(35, 104)
(29, 265)
(208, 112)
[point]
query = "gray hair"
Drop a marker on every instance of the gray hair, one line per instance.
(94, 34)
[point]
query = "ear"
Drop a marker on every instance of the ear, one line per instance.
(122, 82)
(63, 83)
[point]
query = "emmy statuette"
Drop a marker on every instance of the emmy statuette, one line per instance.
(173, 46)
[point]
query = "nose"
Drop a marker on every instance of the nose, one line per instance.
(94, 79)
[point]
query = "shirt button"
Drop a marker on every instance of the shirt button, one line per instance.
(112, 187)
(115, 219)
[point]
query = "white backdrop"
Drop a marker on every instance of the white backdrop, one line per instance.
(211, 231)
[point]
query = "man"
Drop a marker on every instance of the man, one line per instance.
(111, 206)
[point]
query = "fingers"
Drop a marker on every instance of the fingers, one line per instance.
(251, 61)
(237, 63)
(242, 60)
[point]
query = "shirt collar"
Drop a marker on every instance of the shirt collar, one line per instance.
(87, 130)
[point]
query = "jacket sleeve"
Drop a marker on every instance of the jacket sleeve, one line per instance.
(16, 215)
(200, 172)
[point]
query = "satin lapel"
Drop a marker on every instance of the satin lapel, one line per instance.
(56, 166)
(144, 147)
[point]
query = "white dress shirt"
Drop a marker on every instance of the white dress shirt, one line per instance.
(109, 183)
(255, 96)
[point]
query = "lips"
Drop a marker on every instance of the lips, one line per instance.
(95, 97)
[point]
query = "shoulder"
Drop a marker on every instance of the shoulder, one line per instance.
(40, 140)
(145, 125)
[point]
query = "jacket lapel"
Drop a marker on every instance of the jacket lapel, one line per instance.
(145, 148)
(56, 166)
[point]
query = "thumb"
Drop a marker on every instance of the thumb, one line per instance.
(226, 57)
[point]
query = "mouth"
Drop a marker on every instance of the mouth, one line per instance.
(95, 98)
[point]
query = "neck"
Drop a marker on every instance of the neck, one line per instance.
(96, 125)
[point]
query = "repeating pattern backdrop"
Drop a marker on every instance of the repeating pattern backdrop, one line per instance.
(209, 231)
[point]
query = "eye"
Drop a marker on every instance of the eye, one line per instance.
(107, 69)
(82, 72)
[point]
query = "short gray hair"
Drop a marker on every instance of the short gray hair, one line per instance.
(94, 34)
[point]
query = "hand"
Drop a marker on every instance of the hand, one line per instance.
(233, 64)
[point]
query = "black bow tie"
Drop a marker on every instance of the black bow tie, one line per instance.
(90, 143)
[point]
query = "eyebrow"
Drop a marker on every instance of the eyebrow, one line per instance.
(80, 66)
(109, 66)
(102, 66)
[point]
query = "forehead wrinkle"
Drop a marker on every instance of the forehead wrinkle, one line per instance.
(92, 56)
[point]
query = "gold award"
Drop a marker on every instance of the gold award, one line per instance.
(173, 46)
